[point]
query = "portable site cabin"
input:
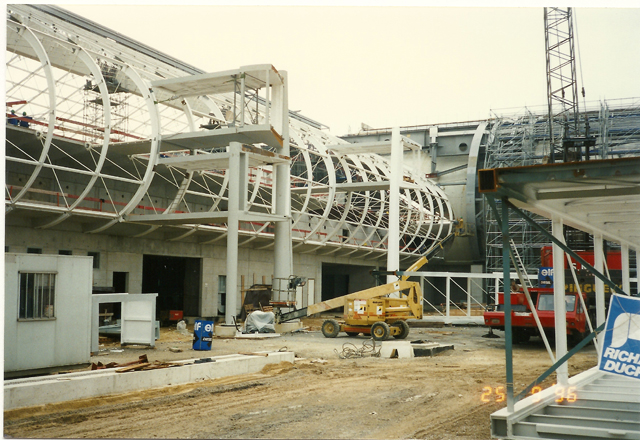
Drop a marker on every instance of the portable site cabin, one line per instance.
(47, 312)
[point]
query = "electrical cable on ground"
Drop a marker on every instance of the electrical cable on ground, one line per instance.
(350, 351)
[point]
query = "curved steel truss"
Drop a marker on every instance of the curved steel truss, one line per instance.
(86, 131)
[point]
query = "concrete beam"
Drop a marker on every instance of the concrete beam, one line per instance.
(22, 393)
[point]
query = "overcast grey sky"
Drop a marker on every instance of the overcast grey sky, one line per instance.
(387, 66)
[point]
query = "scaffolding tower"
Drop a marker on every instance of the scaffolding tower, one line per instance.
(522, 138)
(93, 111)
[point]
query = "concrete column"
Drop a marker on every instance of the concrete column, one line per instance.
(234, 204)
(626, 282)
(598, 264)
(559, 304)
(393, 240)
(283, 264)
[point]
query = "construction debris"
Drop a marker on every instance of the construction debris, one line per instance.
(141, 364)
(350, 351)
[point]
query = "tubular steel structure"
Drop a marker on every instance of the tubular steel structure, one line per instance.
(523, 139)
(87, 134)
(562, 84)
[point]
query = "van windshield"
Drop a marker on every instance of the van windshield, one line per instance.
(545, 302)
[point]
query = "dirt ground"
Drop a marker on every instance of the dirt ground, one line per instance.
(319, 396)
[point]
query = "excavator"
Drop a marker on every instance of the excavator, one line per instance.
(373, 311)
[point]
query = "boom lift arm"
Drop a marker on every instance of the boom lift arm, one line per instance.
(407, 307)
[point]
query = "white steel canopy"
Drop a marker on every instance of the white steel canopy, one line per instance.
(601, 197)
(118, 134)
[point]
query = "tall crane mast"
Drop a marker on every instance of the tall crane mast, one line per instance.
(565, 137)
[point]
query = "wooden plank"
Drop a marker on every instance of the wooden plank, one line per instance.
(132, 368)
(141, 359)
(254, 354)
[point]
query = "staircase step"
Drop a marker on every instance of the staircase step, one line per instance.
(587, 422)
(627, 396)
(617, 379)
(618, 386)
(624, 413)
(580, 431)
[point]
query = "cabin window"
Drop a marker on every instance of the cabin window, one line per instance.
(37, 295)
(545, 303)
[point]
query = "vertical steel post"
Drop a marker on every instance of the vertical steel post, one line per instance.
(559, 305)
(448, 297)
(598, 264)
(626, 282)
(506, 273)
(468, 296)
(393, 239)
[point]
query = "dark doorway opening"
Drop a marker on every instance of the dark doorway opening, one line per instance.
(334, 285)
(341, 279)
(120, 282)
(176, 280)
(120, 285)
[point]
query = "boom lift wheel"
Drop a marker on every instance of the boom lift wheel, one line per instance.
(404, 329)
(330, 328)
(380, 331)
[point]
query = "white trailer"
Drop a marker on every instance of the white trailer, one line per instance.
(47, 312)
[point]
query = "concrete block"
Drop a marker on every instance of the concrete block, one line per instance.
(396, 349)
(287, 327)
(225, 331)
(429, 349)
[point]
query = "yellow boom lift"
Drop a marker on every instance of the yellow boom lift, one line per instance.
(372, 311)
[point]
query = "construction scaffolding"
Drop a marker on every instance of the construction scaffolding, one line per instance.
(522, 138)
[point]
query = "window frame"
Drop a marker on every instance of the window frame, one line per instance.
(51, 300)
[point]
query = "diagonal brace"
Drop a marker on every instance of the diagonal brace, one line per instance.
(565, 248)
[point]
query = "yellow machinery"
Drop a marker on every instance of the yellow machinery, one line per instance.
(373, 312)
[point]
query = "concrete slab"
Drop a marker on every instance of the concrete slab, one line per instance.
(396, 349)
(428, 349)
(256, 335)
(20, 393)
(454, 320)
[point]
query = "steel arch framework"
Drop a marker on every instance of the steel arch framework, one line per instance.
(88, 99)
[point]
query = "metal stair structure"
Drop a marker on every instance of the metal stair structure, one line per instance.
(605, 406)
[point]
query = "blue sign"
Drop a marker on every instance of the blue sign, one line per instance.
(202, 335)
(545, 277)
(621, 348)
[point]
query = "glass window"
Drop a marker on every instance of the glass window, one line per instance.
(570, 302)
(545, 303)
(37, 295)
